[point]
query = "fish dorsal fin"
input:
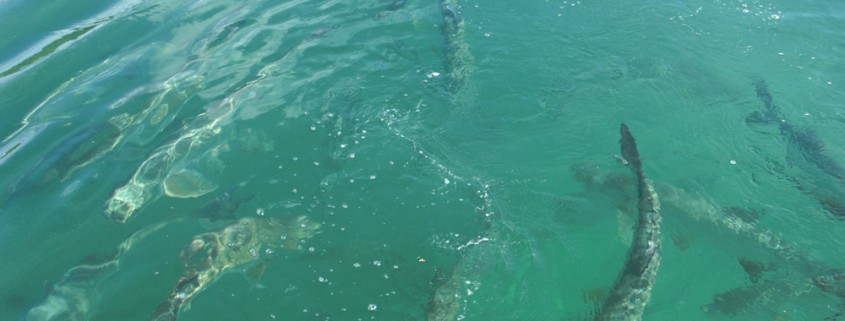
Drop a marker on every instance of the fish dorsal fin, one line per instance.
(755, 269)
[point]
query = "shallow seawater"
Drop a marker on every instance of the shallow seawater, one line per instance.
(414, 160)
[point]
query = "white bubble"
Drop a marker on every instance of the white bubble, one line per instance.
(372, 307)
(733, 162)
(377, 263)
(356, 264)
(259, 211)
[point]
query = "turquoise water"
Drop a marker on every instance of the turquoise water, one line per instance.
(466, 153)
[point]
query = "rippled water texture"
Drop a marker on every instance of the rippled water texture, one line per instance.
(418, 160)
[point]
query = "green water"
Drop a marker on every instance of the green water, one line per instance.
(474, 150)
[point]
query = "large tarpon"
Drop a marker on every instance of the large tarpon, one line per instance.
(632, 290)
(245, 242)
(826, 182)
(77, 151)
(78, 295)
(459, 60)
(792, 272)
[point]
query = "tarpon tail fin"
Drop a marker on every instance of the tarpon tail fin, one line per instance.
(762, 90)
(166, 311)
(629, 149)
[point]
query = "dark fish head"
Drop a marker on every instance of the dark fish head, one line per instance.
(450, 14)
(629, 148)
(319, 33)
(832, 283)
(834, 206)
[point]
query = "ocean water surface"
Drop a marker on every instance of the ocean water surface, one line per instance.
(417, 160)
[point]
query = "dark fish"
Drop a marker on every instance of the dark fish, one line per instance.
(243, 243)
(734, 301)
(459, 61)
(224, 206)
(446, 301)
(797, 270)
(828, 191)
(833, 283)
(76, 296)
(229, 30)
(632, 290)
(68, 156)
(771, 291)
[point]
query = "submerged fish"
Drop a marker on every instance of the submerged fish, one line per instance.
(76, 296)
(210, 255)
(827, 181)
(71, 154)
(223, 207)
(632, 290)
(445, 302)
(186, 167)
(459, 60)
(796, 271)
(832, 283)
